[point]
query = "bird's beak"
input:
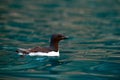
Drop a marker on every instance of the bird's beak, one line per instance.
(65, 37)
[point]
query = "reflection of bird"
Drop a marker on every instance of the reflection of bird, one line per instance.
(52, 50)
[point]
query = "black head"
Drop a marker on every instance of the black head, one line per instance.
(58, 37)
(55, 40)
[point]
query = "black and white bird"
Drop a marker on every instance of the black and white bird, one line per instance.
(52, 50)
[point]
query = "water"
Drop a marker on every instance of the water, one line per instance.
(91, 53)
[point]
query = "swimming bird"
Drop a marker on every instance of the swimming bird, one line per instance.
(52, 50)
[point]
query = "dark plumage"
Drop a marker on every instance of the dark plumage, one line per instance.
(54, 41)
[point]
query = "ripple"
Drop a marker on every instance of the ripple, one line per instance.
(92, 52)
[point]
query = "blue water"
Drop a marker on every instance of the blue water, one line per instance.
(92, 51)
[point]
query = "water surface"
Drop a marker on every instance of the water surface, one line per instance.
(91, 53)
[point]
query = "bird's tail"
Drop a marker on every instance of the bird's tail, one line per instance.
(23, 51)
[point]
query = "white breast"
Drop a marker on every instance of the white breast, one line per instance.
(52, 53)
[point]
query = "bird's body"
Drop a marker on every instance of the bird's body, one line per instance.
(52, 50)
(38, 51)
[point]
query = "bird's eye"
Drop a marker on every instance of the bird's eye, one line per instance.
(59, 35)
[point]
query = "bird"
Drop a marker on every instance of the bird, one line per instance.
(51, 50)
